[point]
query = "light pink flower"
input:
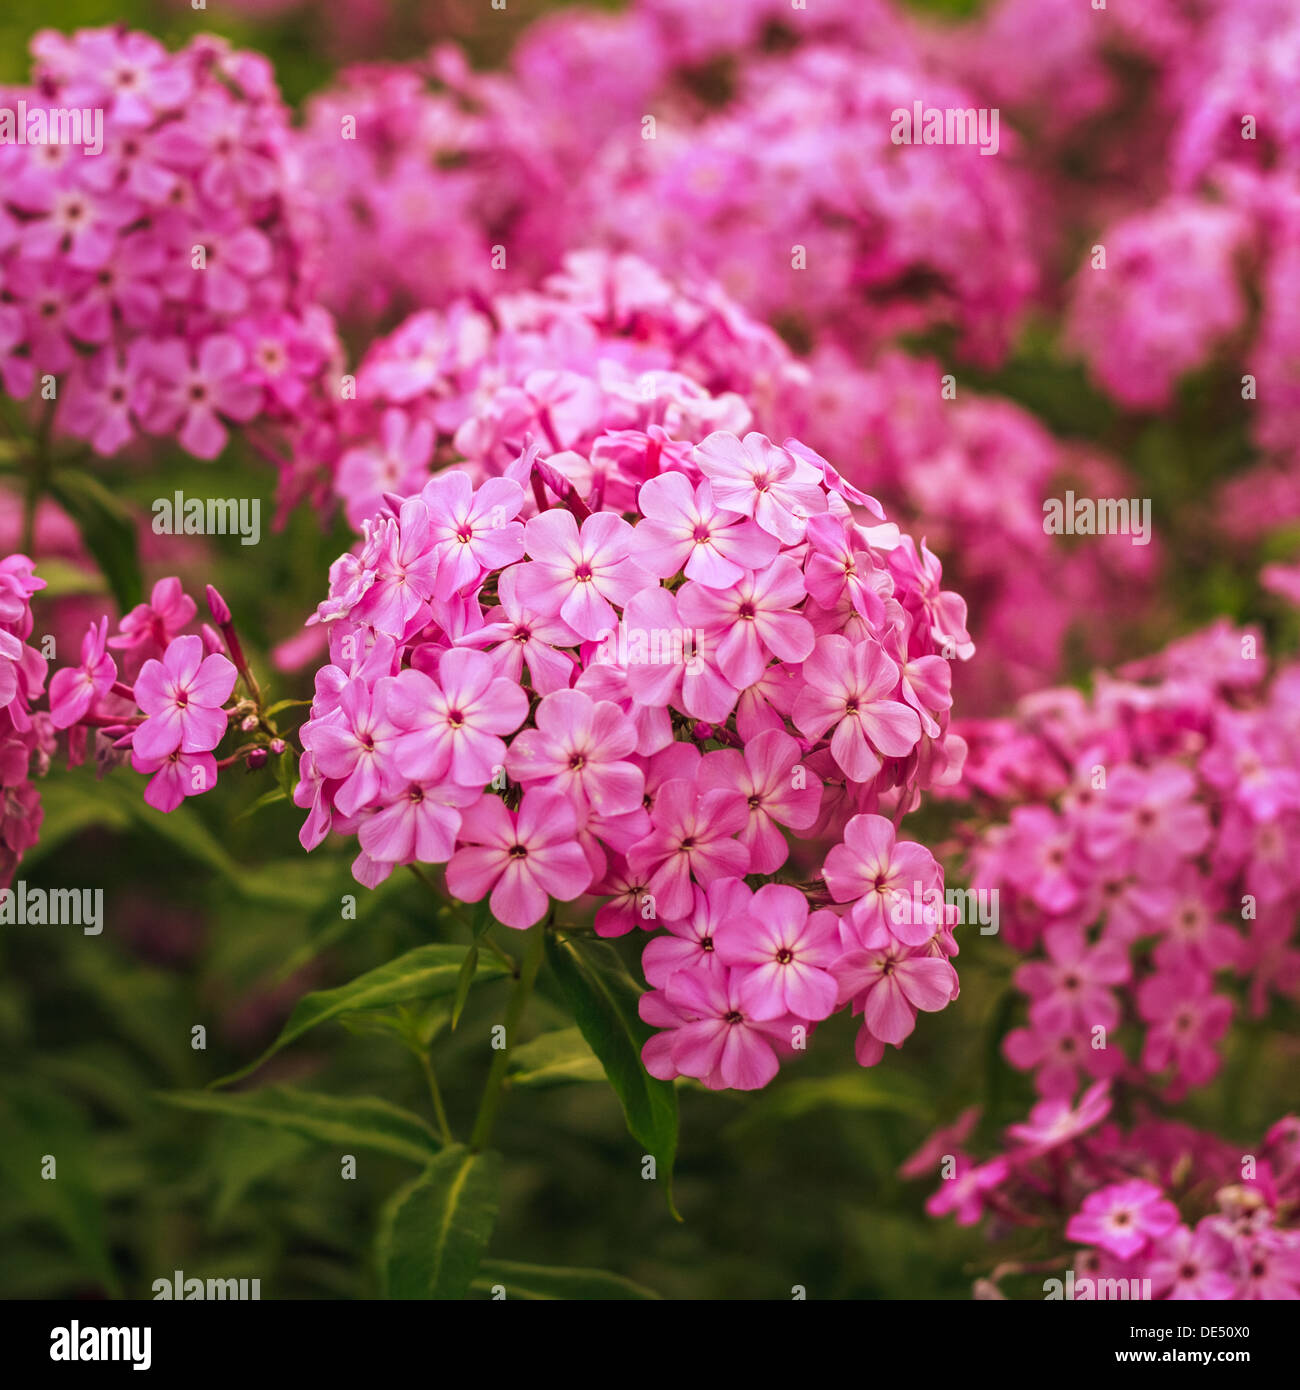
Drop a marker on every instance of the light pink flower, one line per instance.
(579, 575)
(182, 696)
(450, 726)
(580, 749)
(848, 687)
(522, 859)
(780, 955)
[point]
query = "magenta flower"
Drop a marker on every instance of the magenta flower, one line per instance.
(691, 943)
(149, 627)
(472, 532)
(355, 744)
(778, 790)
(685, 529)
(888, 987)
(398, 462)
(523, 859)
(1149, 821)
(580, 749)
(182, 696)
(722, 1044)
(579, 575)
(1056, 1058)
(1052, 1123)
(419, 824)
(682, 671)
(1073, 991)
(890, 884)
(781, 955)
(750, 622)
(1123, 1218)
(517, 636)
(175, 776)
(1186, 1019)
(402, 568)
(760, 479)
(75, 689)
(848, 687)
(197, 391)
(693, 835)
(1188, 1265)
(450, 726)
(963, 1195)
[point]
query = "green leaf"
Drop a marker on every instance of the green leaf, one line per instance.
(467, 970)
(363, 1122)
(108, 529)
(603, 998)
(482, 921)
(433, 1232)
(540, 1282)
(38, 1128)
(281, 705)
(286, 773)
(554, 1059)
(266, 799)
(63, 579)
(428, 972)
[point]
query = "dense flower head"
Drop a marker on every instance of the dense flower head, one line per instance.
(162, 269)
(609, 350)
(606, 354)
(789, 190)
(632, 685)
(1148, 860)
(1204, 1221)
(1166, 296)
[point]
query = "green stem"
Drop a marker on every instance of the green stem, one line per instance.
(435, 1091)
(491, 1102)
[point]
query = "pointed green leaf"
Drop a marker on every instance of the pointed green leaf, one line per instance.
(363, 1122)
(108, 529)
(603, 998)
(539, 1282)
(428, 972)
(433, 1232)
(554, 1059)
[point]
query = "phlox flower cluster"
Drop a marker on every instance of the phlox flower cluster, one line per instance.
(164, 280)
(610, 349)
(625, 684)
(1184, 1213)
(1194, 194)
(1147, 861)
(152, 692)
(607, 350)
(779, 178)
